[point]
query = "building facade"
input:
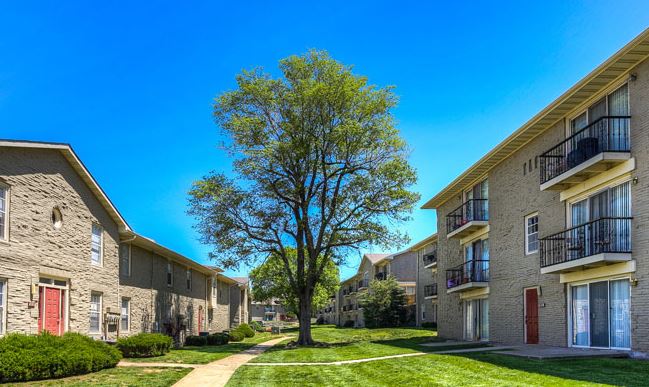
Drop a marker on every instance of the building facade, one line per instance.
(542, 240)
(70, 262)
(427, 280)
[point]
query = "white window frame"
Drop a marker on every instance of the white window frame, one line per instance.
(188, 279)
(3, 307)
(129, 250)
(169, 274)
(527, 234)
(4, 237)
(584, 107)
(101, 244)
(101, 301)
(128, 314)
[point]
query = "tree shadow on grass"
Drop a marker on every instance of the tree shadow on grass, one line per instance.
(617, 372)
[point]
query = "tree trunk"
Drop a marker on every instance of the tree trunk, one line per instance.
(305, 322)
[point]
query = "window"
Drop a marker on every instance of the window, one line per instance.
(126, 315)
(97, 245)
(95, 312)
(214, 288)
(4, 213)
(170, 277)
(57, 218)
(125, 259)
(3, 303)
(615, 104)
(532, 233)
(189, 279)
(410, 290)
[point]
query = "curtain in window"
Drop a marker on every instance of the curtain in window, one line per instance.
(597, 110)
(620, 314)
(580, 315)
(484, 319)
(620, 207)
(469, 316)
(2, 303)
(578, 123)
(618, 105)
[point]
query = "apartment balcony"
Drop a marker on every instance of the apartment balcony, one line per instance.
(595, 149)
(380, 276)
(362, 284)
(430, 260)
(469, 275)
(430, 291)
(467, 218)
(597, 243)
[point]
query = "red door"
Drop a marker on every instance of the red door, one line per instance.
(531, 316)
(50, 317)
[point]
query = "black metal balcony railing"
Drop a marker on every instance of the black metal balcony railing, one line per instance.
(430, 290)
(606, 134)
(472, 210)
(380, 276)
(429, 259)
(605, 235)
(350, 289)
(470, 271)
(362, 283)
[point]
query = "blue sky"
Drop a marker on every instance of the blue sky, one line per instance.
(130, 84)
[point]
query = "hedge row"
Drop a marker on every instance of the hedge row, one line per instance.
(213, 339)
(145, 345)
(44, 356)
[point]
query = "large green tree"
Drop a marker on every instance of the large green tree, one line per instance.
(269, 281)
(318, 166)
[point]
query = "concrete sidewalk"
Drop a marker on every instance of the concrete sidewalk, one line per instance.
(219, 372)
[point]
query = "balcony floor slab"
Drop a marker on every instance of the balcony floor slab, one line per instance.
(587, 262)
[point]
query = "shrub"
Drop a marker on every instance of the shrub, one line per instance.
(246, 330)
(196, 341)
(257, 326)
(236, 335)
(429, 325)
(44, 356)
(348, 324)
(145, 345)
(218, 339)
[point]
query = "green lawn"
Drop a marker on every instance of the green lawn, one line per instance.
(206, 354)
(120, 376)
(448, 370)
(352, 343)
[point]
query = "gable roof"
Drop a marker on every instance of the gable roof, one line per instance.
(604, 75)
(375, 258)
(69, 154)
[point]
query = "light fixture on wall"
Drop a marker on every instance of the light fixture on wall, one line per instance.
(633, 281)
(633, 77)
(635, 180)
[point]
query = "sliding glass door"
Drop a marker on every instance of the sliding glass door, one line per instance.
(600, 313)
(476, 320)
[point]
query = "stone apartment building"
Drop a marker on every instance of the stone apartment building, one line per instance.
(543, 240)
(403, 266)
(427, 279)
(70, 262)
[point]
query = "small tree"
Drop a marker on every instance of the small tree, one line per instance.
(384, 304)
(269, 281)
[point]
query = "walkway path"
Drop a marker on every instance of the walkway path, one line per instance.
(217, 373)
(343, 362)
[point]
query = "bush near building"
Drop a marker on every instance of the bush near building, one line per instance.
(145, 345)
(236, 336)
(44, 356)
(246, 330)
(213, 339)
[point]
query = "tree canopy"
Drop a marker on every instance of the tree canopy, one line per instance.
(384, 304)
(318, 167)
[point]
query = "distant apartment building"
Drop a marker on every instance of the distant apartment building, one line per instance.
(403, 266)
(267, 311)
(70, 262)
(542, 240)
(428, 279)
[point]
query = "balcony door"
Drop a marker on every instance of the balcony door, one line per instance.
(476, 207)
(476, 320)
(476, 259)
(600, 314)
(614, 234)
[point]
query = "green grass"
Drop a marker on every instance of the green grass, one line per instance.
(352, 343)
(448, 370)
(120, 376)
(206, 354)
